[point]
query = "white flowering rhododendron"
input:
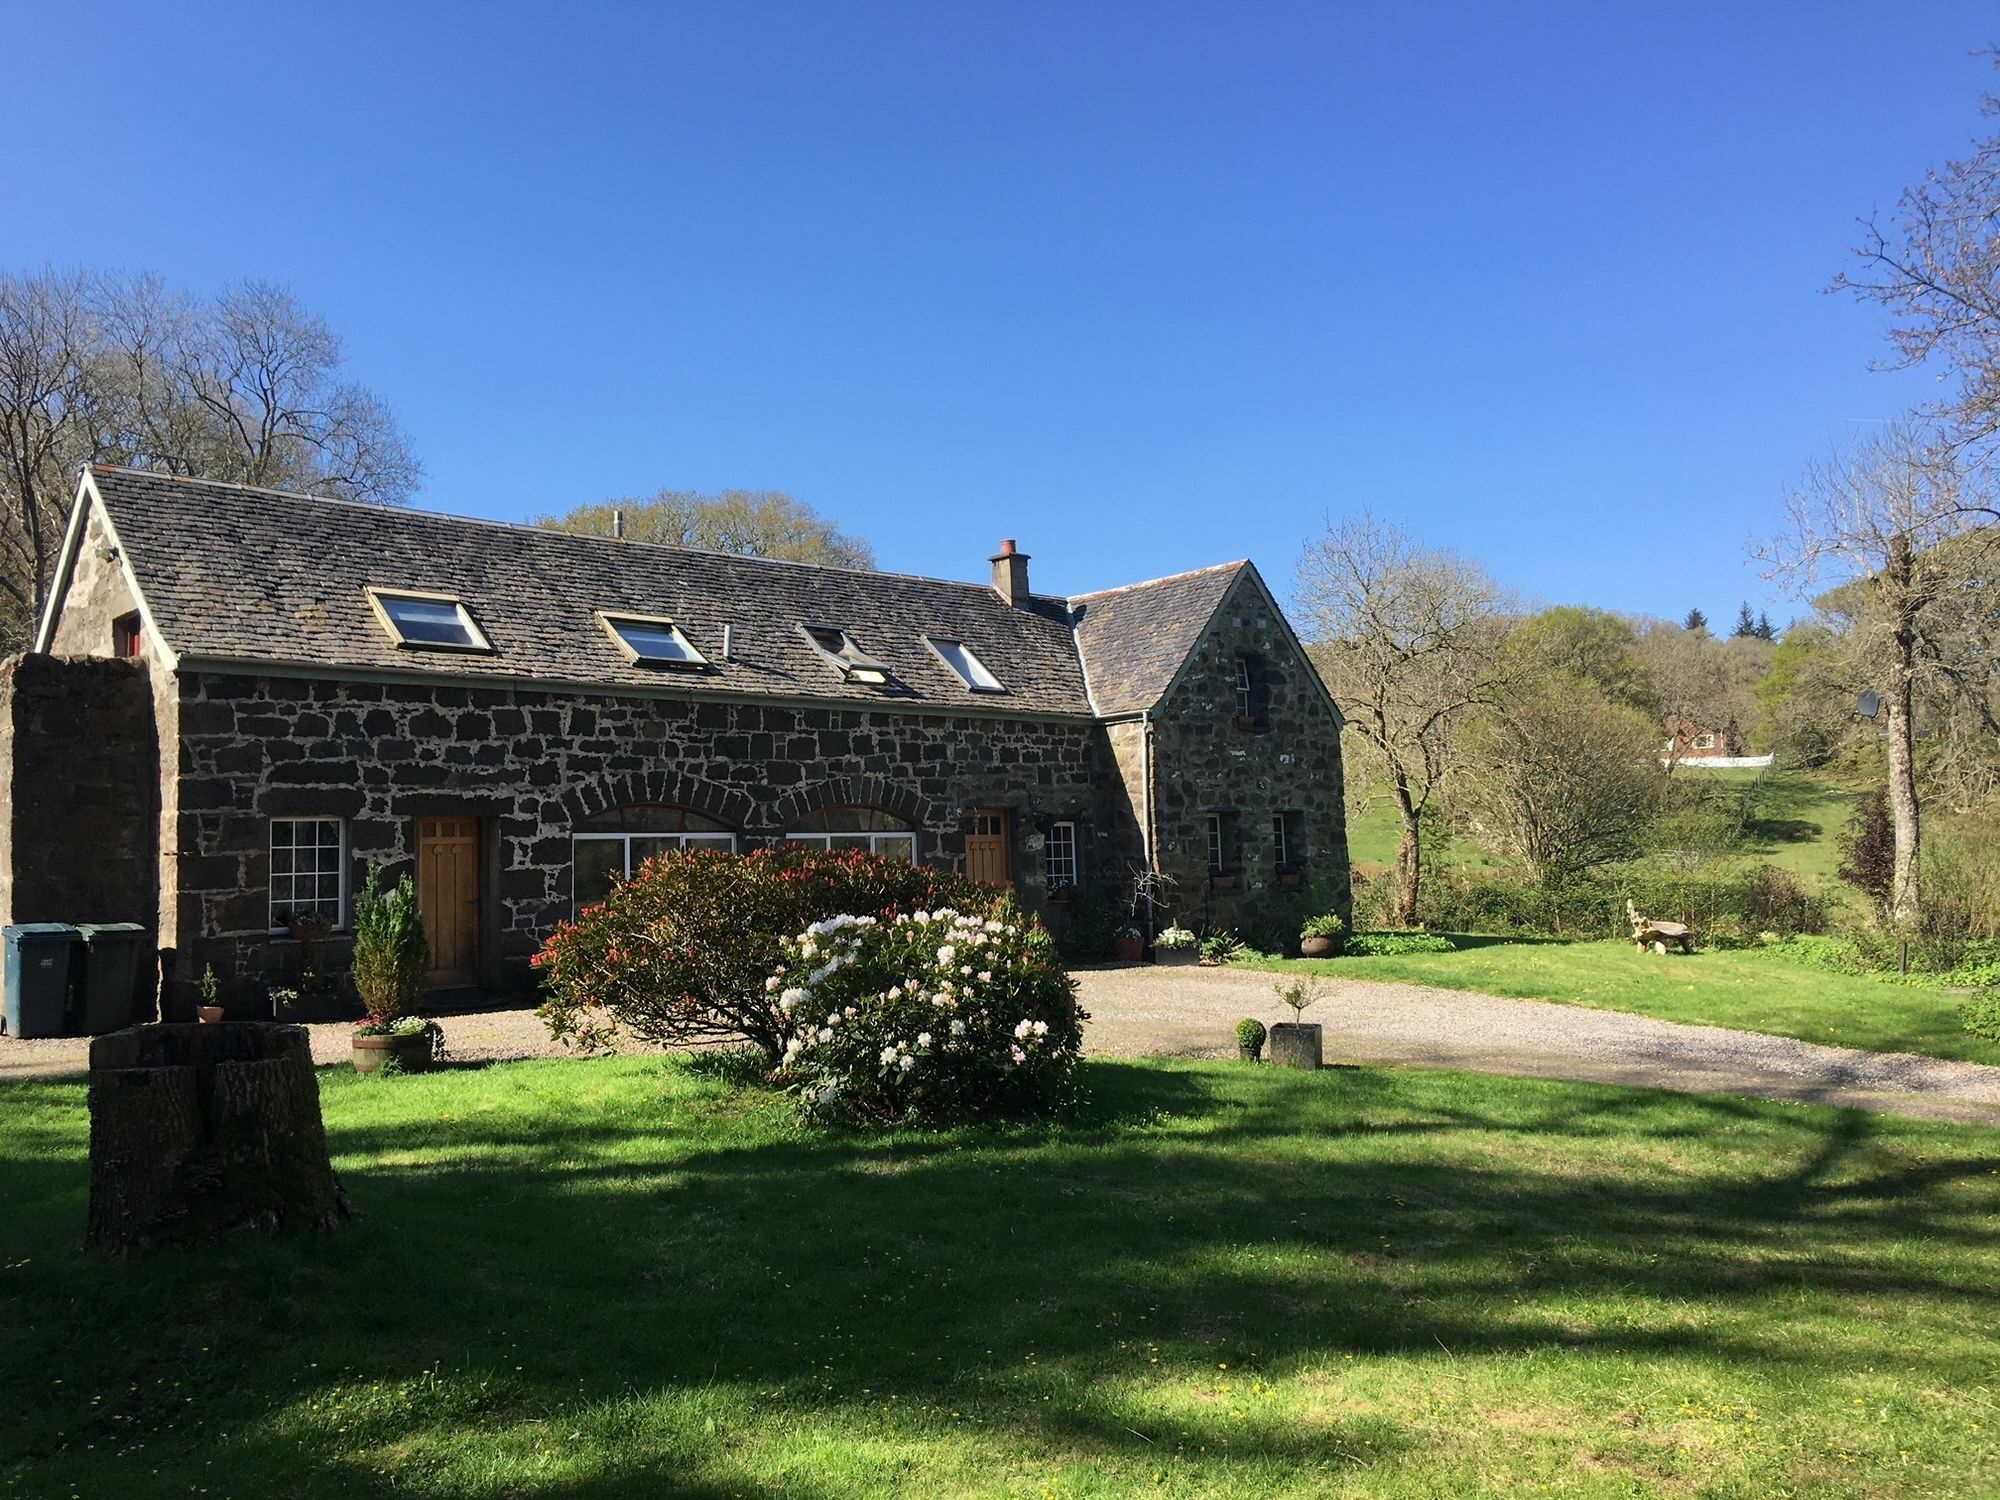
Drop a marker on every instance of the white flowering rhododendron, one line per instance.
(931, 1016)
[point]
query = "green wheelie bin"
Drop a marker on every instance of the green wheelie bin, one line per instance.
(34, 978)
(113, 955)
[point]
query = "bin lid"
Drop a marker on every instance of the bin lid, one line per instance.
(39, 931)
(94, 930)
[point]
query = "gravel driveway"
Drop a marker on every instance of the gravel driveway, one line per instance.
(1144, 1011)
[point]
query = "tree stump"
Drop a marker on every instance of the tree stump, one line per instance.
(202, 1130)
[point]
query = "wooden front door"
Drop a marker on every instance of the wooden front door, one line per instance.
(987, 849)
(448, 896)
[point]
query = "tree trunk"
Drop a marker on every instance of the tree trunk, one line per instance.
(1409, 862)
(1904, 887)
(202, 1130)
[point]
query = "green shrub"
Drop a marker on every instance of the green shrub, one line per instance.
(1086, 923)
(1981, 1016)
(680, 953)
(392, 956)
(1327, 924)
(1220, 947)
(935, 1017)
(1250, 1033)
(1397, 944)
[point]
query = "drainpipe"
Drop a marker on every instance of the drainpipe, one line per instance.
(1148, 833)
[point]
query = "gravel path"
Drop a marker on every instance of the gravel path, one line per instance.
(1143, 1011)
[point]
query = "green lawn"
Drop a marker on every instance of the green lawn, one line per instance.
(590, 1280)
(1713, 987)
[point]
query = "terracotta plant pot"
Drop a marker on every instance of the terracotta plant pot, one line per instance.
(209, 1013)
(1296, 1045)
(1319, 947)
(1131, 950)
(412, 1053)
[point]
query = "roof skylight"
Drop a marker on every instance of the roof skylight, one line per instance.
(427, 622)
(966, 665)
(648, 640)
(838, 647)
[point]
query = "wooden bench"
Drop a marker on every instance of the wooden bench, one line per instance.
(1659, 936)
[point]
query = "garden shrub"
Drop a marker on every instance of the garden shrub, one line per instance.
(1087, 920)
(392, 956)
(931, 1017)
(1397, 944)
(679, 953)
(1981, 1016)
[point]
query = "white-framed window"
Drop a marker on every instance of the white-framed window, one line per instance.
(427, 622)
(1246, 689)
(857, 828)
(840, 650)
(649, 640)
(1278, 843)
(1288, 840)
(613, 845)
(308, 871)
(965, 664)
(1216, 851)
(1060, 865)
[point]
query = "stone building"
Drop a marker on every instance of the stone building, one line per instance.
(518, 716)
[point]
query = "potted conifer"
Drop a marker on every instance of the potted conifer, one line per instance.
(392, 959)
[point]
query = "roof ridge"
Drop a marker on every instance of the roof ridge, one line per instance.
(1126, 588)
(586, 537)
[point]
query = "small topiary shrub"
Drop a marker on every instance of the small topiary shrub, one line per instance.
(928, 1017)
(1250, 1034)
(679, 953)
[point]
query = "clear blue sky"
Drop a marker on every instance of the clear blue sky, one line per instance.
(1146, 286)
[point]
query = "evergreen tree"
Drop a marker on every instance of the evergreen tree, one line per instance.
(1695, 620)
(1746, 623)
(1764, 631)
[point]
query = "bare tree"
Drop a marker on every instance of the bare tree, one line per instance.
(1933, 266)
(124, 370)
(48, 336)
(755, 523)
(1408, 641)
(1893, 513)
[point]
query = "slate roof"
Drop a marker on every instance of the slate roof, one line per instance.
(266, 579)
(1134, 639)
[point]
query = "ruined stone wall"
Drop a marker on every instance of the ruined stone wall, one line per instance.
(529, 764)
(79, 791)
(1206, 761)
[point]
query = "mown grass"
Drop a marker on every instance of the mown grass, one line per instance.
(1743, 988)
(624, 1278)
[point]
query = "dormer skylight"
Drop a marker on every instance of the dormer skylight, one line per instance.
(650, 641)
(427, 622)
(965, 665)
(848, 659)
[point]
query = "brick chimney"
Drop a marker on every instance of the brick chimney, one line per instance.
(1010, 574)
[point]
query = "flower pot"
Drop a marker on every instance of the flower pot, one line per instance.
(1319, 947)
(1131, 950)
(1250, 1054)
(209, 1013)
(1296, 1045)
(1177, 955)
(412, 1053)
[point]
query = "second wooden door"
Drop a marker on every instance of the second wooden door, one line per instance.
(448, 896)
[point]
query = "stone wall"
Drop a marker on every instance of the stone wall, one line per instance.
(1206, 761)
(79, 791)
(530, 764)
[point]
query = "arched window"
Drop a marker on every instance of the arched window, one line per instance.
(857, 828)
(612, 845)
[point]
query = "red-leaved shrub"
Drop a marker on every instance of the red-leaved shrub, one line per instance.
(681, 951)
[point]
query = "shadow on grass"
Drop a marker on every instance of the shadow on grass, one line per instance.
(553, 1259)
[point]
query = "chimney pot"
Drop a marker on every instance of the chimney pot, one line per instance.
(1007, 547)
